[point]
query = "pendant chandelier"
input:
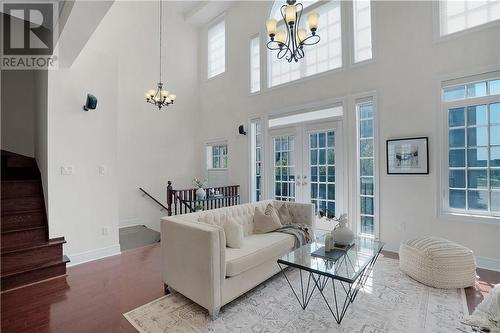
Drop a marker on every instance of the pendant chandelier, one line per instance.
(291, 41)
(160, 97)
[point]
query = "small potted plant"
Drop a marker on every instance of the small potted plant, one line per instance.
(198, 208)
(201, 194)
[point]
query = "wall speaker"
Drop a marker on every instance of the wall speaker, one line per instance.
(241, 130)
(91, 102)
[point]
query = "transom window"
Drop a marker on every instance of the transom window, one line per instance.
(216, 49)
(362, 23)
(473, 126)
(255, 64)
(461, 15)
(324, 56)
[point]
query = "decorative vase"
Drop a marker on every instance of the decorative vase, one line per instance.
(328, 243)
(342, 235)
(201, 194)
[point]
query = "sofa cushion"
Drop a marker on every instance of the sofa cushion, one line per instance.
(256, 250)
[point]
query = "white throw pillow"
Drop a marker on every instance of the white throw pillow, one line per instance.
(234, 233)
(266, 221)
(285, 215)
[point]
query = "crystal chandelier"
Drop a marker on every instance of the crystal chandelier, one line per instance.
(291, 41)
(160, 97)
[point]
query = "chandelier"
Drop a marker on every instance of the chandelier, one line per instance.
(291, 41)
(160, 97)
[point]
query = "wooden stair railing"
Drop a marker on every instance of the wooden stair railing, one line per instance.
(145, 193)
(185, 201)
(28, 255)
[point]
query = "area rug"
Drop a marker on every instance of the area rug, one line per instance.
(389, 302)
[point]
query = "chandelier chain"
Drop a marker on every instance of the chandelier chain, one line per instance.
(160, 97)
(161, 28)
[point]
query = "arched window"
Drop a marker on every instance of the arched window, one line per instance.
(324, 56)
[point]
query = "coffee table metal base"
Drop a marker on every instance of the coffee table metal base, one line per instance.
(310, 281)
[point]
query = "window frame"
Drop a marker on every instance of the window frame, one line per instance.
(253, 162)
(259, 42)
(344, 45)
(210, 155)
(438, 37)
(219, 19)
(445, 210)
(359, 100)
(352, 34)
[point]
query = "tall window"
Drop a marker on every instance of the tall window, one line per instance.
(366, 173)
(284, 174)
(324, 56)
(255, 64)
(473, 147)
(217, 49)
(362, 22)
(256, 175)
(217, 156)
(461, 15)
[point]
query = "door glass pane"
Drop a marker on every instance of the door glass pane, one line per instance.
(322, 165)
(284, 171)
(367, 225)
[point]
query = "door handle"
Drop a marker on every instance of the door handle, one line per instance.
(304, 182)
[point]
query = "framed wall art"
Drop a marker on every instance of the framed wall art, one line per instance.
(408, 156)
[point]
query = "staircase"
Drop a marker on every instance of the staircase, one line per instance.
(27, 254)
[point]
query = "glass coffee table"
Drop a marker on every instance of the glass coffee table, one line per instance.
(347, 269)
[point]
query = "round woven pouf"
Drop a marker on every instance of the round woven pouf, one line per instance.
(438, 262)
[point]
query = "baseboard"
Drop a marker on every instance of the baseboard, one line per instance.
(130, 222)
(80, 258)
(391, 247)
(487, 263)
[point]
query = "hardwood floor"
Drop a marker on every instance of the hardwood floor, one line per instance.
(96, 294)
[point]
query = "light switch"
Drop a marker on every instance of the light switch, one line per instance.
(67, 170)
(102, 169)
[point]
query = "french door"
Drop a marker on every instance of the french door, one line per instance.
(307, 165)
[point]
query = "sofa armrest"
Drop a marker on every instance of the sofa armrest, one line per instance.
(193, 259)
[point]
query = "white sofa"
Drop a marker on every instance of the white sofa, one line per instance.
(197, 263)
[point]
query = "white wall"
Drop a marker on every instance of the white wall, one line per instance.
(18, 111)
(154, 146)
(139, 145)
(41, 127)
(405, 74)
(80, 205)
